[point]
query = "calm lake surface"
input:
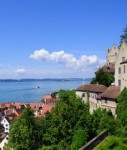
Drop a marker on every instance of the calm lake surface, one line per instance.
(27, 91)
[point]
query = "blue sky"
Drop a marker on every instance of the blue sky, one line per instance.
(57, 38)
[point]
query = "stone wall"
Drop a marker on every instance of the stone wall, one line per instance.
(95, 141)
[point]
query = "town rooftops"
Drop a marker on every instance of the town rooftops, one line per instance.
(47, 108)
(10, 118)
(111, 92)
(48, 97)
(33, 106)
(92, 88)
(11, 105)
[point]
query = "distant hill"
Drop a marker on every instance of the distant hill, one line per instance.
(46, 79)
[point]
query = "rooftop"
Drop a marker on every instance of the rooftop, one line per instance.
(111, 92)
(92, 88)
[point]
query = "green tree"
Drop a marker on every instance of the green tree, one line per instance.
(24, 134)
(121, 111)
(102, 120)
(79, 139)
(62, 124)
(54, 94)
(102, 77)
(123, 37)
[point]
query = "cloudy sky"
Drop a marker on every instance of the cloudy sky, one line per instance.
(57, 38)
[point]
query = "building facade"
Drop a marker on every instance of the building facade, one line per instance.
(6, 124)
(112, 54)
(99, 96)
(121, 67)
(89, 93)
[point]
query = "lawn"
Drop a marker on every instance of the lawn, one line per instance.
(112, 143)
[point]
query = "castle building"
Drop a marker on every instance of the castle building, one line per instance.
(103, 97)
(121, 67)
(112, 55)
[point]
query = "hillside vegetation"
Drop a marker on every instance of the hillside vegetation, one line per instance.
(68, 126)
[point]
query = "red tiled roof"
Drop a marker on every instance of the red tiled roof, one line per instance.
(48, 97)
(92, 88)
(17, 104)
(17, 112)
(2, 105)
(111, 92)
(10, 118)
(33, 105)
(47, 108)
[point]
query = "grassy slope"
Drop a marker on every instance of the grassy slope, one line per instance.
(112, 143)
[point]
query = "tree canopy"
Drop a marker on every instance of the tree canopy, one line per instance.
(123, 37)
(68, 126)
(24, 134)
(63, 123)
(102, 77)
(121, 129)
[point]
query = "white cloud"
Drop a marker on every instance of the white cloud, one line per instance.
(67, 59)
(41, 55)
(20, 71)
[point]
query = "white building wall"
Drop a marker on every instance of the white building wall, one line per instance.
(109, 105)
(3, 142)
(93, 102)
(120, 75)
(6, 125)
(83, 95)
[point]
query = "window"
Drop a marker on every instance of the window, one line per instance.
(119, 70)
(108, 68)
(123, 58)
(119, 82)
(6, 125)
(105, 100)
(124, 69)
(83, 94)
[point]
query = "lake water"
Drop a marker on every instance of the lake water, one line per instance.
(27, 91)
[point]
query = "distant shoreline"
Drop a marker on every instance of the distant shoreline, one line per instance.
(45, 79)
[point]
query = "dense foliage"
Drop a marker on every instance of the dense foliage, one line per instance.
(61, 127)
(102, 77)
(121, 129)
(69, 126)
(112, 143)
(24, 132)
(123, 37)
